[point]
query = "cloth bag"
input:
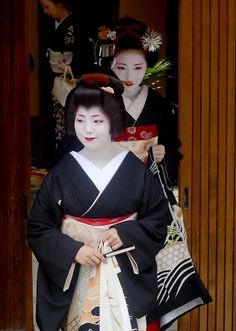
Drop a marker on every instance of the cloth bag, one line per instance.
(56, 57)
(63, 85)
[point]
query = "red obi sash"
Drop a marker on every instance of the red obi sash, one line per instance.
(138, 140)
(99, 221)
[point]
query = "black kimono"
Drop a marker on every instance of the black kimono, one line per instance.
(159, 112)
(187, 291)
(69, 36)
(67, 189)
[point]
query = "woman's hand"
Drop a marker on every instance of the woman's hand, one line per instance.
(112, 238)
(158, 152)
(89, 256)
(61, 64)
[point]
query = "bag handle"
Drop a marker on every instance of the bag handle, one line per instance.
(68, 70)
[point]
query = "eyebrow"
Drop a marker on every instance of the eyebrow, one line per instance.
(91, 116)
(121, 63)
(124, 64)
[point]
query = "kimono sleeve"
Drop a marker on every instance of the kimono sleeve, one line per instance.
(83, 59)
(148, 233)
(168, 137)
(54, 250)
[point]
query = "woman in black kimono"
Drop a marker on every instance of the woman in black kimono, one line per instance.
(136, 48)
(65, 43)
(99, 200)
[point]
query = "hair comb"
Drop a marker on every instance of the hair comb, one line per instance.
(96, 79)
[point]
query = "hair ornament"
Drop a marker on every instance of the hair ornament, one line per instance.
(111, 35)
(105, 33)
(105, 43)
(151, 41)
(103, 81)
(108, 89)
(95, 79)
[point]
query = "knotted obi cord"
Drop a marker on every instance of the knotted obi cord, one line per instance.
(88, 231)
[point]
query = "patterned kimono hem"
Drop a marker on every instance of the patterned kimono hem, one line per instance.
(167, 319)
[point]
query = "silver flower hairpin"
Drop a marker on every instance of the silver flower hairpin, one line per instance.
(151, 41)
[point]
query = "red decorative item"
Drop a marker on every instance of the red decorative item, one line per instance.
(138, 133)
(138, 140)
(153, 326)
(96, 78)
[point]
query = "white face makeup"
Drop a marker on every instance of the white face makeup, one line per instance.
(130, 66)
(92, 128)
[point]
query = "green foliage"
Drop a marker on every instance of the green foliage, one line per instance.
(153, 75)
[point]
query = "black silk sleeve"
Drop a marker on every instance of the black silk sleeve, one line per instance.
(83, 59)
(148, 233)
(54, 250)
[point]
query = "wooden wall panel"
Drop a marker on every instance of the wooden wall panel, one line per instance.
(185, 122)
(207, 70)
(230, 218)
(213, 146)
(204, 147)
(14, 165)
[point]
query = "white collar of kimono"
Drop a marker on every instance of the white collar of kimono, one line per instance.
(58, 23)
(100, 177)
(134, 108)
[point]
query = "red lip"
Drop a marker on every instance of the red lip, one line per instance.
(89, 139)
(127, 82)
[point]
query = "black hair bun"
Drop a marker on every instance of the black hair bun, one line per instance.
(130, 24)
(101, 80)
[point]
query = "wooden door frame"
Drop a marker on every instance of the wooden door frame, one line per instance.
(207, 63)
(15, 309)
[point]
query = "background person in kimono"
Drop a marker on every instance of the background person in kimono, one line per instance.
(64, 42)
(102, 195)
(136, 48)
